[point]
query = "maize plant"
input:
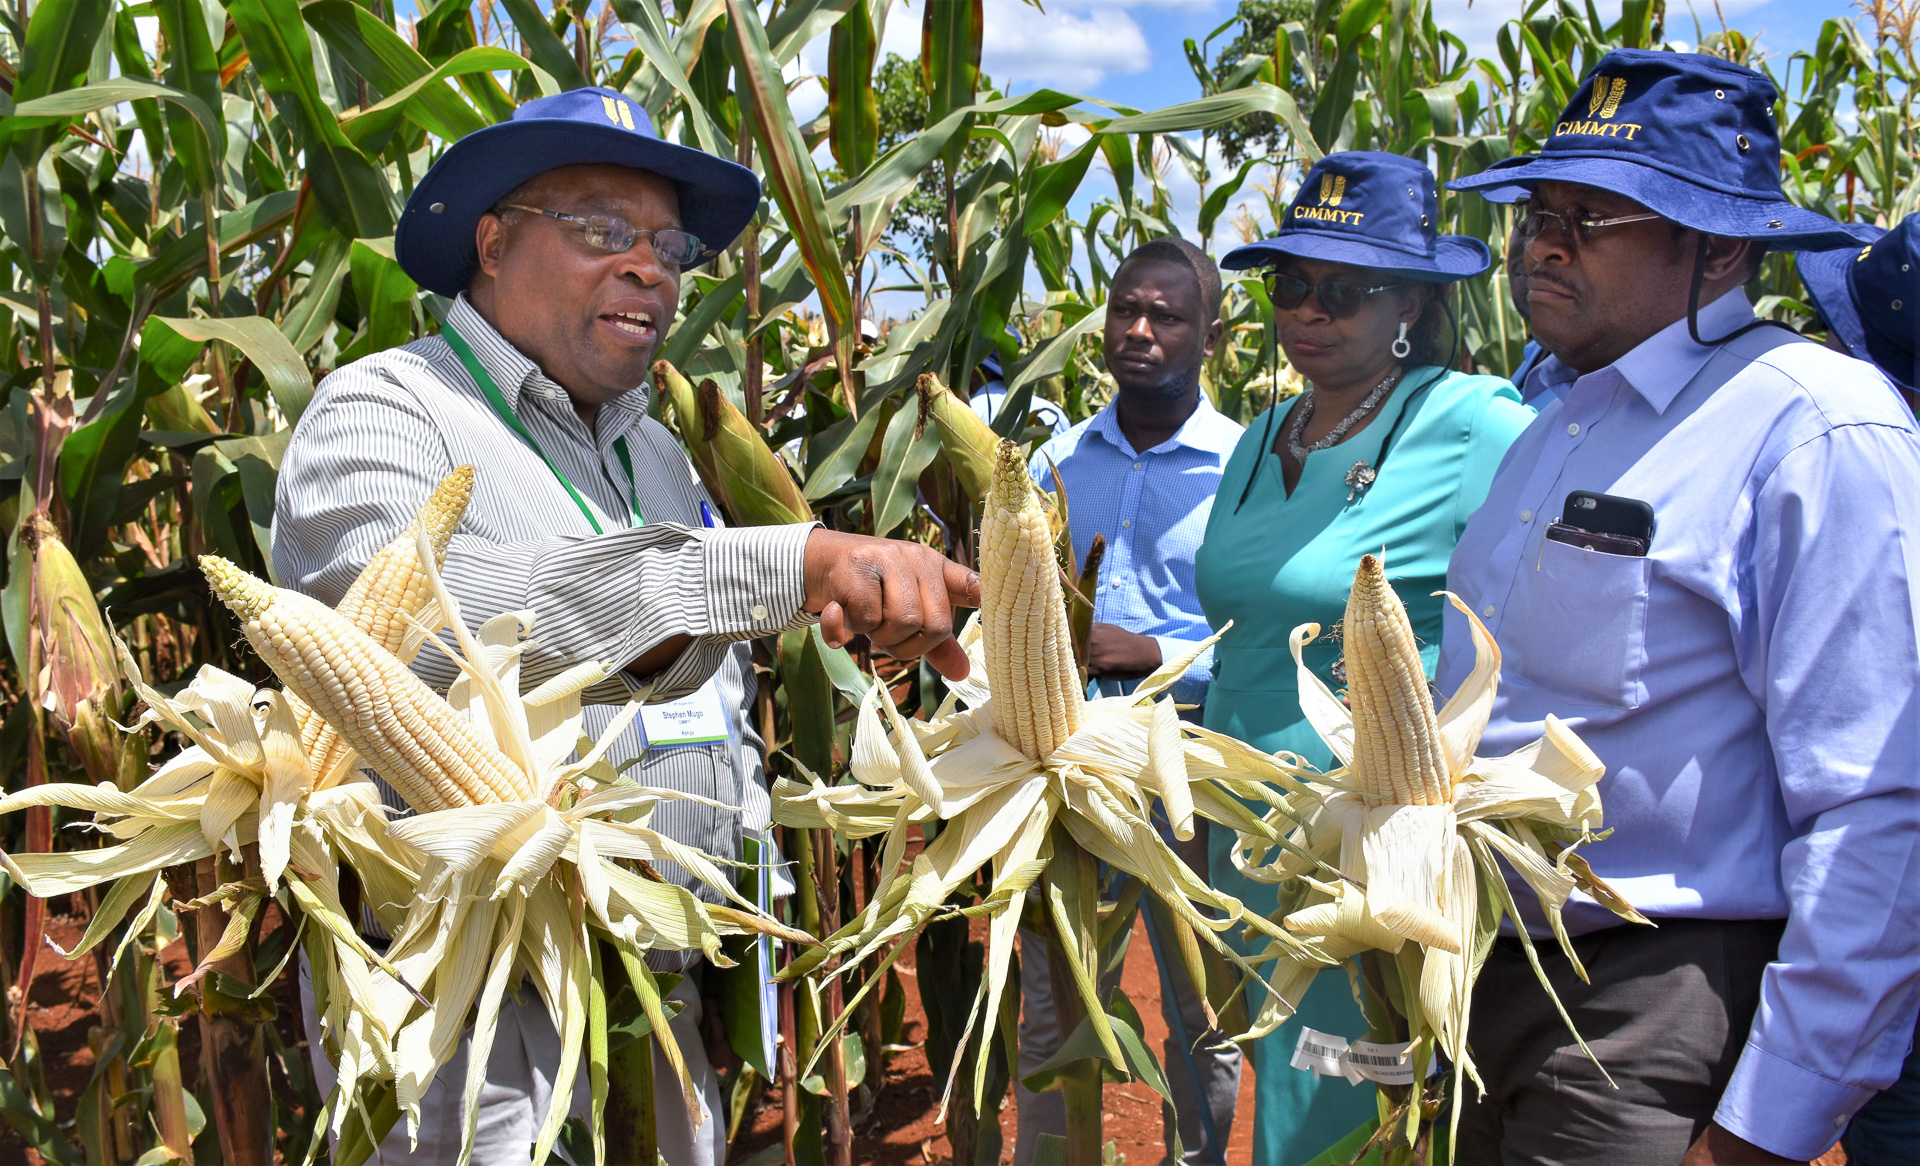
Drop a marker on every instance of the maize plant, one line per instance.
(1399, 858)
(528, 853)
(1029, 780)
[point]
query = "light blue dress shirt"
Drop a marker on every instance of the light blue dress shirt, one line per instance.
(1152, 506)
(1752, 684)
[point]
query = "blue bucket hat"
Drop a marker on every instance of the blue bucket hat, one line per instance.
(1870, 297)
(434, 241)
(1690, 137)
(1373, 210)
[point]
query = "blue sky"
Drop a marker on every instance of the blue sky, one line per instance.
(1131, 50)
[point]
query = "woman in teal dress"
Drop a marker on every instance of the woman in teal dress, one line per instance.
(1386, 451)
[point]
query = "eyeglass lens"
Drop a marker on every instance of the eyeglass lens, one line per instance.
(611, 233)
(1340, 299)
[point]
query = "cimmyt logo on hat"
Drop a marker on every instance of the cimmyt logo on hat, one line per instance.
(618, 112)
(1602, 103)
(1605, 100)
(1333, 189)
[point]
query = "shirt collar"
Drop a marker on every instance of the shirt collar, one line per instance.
(1662, 364)
(516, 375)
(1192, 432)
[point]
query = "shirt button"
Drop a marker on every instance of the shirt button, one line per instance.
(1116, 584)
(1136, 465)
(1126, 523)
(759, 611)
(1526, 516)
(1487, 612)
(1573, 429)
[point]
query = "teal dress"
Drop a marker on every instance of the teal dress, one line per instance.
(1274, 562)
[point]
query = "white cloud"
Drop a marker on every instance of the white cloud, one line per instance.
(1069, 46)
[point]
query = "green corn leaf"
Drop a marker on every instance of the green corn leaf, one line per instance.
(789, 165)
(352, 192)
(261, 342)
(414, 88)
(544, 46)
(903, 456)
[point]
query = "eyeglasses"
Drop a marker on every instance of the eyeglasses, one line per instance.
(1340, 298)
(675, 248)
(1575, 230)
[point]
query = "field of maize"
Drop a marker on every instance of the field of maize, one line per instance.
(197, 203)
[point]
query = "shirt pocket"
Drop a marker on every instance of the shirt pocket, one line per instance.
(1584, 630)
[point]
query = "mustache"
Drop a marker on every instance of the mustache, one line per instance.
(1547, 275)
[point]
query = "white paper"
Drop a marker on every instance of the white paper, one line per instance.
(699, 718)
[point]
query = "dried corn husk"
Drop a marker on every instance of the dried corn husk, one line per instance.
(1095, 768)
(1412, 820)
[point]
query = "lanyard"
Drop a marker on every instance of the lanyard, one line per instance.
(507, 417)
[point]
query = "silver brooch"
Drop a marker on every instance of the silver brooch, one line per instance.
(1359, 478)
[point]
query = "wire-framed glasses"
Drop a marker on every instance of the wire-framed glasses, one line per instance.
(1338, 297)
(673, 247)
(1576, 229)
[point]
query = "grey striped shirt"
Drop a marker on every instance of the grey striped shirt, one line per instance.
(383, 431)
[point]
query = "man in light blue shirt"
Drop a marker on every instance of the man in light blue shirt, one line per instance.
(1750, 674)
(1141, 474)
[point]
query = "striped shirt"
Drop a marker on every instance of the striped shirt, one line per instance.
(381, 433)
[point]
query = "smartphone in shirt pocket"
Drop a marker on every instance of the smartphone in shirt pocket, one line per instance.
(1606, 523)
(1584, 632)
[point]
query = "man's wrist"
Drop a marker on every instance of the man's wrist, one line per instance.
(756, 578)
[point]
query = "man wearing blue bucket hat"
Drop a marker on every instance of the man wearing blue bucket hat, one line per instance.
(560, 237)
(1701, 557)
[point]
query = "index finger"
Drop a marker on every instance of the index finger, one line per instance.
(963, 586)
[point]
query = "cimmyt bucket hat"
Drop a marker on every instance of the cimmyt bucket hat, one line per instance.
(434, 241)
(1690, 137)
(1369, 209)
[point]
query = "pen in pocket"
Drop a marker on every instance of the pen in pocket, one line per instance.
(706, 514)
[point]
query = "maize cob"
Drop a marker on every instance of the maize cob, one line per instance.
(968, 441)
(731, 454)
(1397, 754)
(390, 592)
(397, 725)
(1023, 616)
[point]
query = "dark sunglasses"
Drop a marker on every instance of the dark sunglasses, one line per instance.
(1340, 299)
(675, 248)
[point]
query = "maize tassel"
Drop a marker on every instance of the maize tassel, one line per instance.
(384, 713)
(390, 593)
(1397, 751)
(1023, 617)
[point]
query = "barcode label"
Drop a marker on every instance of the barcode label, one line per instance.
(1333, 1056)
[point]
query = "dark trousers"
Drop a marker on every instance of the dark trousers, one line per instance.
(1667, 1014)
(1887, 1131)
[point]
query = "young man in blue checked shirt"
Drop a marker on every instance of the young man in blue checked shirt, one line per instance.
(1142, 473)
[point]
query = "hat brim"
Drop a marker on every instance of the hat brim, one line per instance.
(1824, 274)
(718, 198)
(1455, 257)
(1775, 223)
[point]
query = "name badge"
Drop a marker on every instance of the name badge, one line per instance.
(699, 718)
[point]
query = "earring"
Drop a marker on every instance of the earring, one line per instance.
(1402, 349)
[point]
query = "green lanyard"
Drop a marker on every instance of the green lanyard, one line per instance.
(507, 417)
